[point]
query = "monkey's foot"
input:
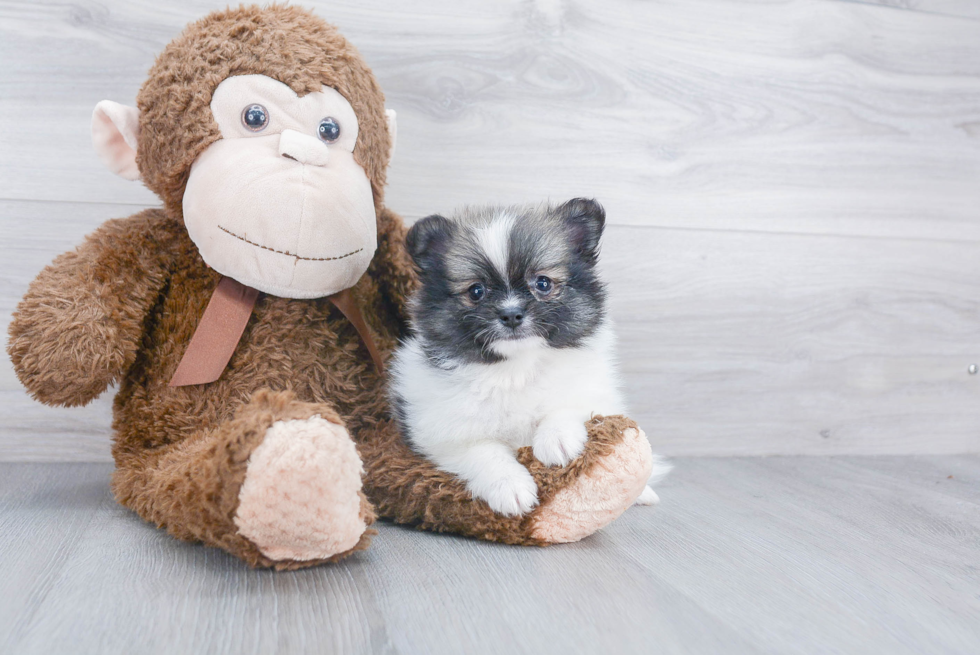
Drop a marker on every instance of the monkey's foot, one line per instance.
(301, 499)
(610, 480)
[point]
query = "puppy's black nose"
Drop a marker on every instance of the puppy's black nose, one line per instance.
(512, 317)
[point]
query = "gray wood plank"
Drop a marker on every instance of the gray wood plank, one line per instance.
(731, 342)
(44, 512)
(817, 117)
(819, 547)
(961, 8)
(570, 599)
(748, 343)
(745, 555)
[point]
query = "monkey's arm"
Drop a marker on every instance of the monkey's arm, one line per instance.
(78, 328)
(392, 267)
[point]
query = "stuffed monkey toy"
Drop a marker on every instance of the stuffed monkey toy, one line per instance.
(246, 321)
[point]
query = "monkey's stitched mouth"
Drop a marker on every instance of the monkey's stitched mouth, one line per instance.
(288, 254)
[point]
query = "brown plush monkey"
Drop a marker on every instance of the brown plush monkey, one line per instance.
(250, 413)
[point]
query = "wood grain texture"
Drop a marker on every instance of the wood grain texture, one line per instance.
(793, 116)
(962, 8)
(744, 555)
(736, 342)
(792, 185)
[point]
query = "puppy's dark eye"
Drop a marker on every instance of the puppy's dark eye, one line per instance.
(255, 118)
(329, 130)
(544, 285)
(477, 292)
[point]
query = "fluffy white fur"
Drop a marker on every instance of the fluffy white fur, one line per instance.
(493, 240)
(471, 419)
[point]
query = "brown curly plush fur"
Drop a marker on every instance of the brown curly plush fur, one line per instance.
(122, 307)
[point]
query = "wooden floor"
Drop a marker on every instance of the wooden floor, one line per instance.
(744, 555)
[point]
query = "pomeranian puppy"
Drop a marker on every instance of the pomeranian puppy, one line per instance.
(512, 346)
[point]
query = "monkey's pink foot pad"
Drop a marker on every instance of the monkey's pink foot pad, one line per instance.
(300, 499)
(599, 495)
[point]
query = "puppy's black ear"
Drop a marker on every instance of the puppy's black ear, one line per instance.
(584, 218)
(428, 240)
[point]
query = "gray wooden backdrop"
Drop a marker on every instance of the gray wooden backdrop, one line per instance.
(793, 189)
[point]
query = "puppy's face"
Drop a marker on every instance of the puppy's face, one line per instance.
(496, 281)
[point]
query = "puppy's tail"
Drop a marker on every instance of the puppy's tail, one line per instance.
(661, 467)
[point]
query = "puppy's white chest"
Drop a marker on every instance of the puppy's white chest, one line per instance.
(504, 381)
(449, 408)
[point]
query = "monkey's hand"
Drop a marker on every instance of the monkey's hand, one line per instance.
(77, 329)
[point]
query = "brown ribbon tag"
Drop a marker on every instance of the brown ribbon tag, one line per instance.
(224, 320)
(217, 335)
(348, 307)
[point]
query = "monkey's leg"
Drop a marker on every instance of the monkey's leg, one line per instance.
(575, 500)
(278, 485)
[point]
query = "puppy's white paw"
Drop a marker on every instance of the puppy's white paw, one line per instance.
(558, 441)
(512, 495)
(648, 497)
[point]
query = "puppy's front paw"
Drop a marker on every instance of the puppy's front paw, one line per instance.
(559, 440)
(512, 495)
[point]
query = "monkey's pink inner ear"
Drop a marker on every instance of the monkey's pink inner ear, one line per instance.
(392, 131)
(115, 128)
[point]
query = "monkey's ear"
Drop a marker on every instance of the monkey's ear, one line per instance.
(585, 219)
(392, 131)
(115, 129)
(429, 239)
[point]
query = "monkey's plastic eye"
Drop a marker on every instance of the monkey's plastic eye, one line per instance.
(329, 129)
(255, 118)
(543, 285)
(477, 292)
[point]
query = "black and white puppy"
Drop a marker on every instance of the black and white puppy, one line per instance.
(512, 345)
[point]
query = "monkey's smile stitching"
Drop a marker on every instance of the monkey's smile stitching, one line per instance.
(289, 254)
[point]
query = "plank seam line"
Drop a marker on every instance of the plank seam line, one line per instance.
(879, 5)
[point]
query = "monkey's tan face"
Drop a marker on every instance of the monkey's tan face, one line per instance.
(278, 203)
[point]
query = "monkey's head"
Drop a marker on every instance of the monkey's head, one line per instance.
(265, 132)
